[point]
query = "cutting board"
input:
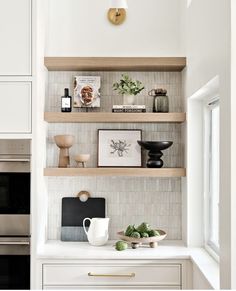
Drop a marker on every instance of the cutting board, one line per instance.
(73, 213)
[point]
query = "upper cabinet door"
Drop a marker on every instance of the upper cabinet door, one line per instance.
(15, 36)
(15, 107)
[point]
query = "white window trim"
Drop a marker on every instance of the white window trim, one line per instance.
(208, 104)
(192, 186)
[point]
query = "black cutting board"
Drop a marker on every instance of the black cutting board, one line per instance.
(74, 211)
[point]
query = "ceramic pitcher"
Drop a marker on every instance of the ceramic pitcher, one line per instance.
(98, 231)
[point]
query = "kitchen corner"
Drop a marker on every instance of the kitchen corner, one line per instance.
(117, 145)
(170, 253)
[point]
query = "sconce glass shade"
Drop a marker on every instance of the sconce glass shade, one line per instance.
(118, 4)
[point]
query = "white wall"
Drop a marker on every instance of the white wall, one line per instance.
(81, 28)
(233, 141)
(207, 43)
(208, 55)
(38, 188)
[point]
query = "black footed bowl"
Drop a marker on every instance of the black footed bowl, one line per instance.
(155, 145)
(155, 154)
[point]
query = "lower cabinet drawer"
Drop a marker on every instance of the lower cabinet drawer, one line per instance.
(111, 287)
(74, 275)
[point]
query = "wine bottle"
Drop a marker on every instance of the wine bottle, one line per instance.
(66, 101)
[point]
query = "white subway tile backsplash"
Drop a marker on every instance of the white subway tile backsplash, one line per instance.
(129, 200)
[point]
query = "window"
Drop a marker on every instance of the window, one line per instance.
(211, 174)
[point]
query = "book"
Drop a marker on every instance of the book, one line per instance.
(128, 107)
(87, 91)
(127, 110)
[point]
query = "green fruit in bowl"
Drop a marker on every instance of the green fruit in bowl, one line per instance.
(143, 227)
(153, 232)
(129, 230)
(144, 234)
(135, 234)
(121, 246)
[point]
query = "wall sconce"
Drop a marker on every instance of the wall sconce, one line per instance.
(116, 13)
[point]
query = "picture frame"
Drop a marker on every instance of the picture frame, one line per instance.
(119, 148)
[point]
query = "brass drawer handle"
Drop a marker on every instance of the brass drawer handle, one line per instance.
(131, 275)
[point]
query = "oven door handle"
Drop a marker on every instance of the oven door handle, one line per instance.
(26, 243)
(15, 160)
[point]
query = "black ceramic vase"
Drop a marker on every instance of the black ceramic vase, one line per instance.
(155, 149)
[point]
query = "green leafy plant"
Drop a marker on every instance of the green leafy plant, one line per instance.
(127, 86)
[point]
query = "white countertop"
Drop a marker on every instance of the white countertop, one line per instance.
(58, 250)
(83, 250)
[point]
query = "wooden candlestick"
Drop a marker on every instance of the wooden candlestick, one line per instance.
(64, 142)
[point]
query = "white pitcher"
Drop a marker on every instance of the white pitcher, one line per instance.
(98, 231)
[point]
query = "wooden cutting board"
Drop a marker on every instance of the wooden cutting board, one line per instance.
(73, 213)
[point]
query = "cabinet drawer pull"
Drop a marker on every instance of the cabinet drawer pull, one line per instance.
(130, 275)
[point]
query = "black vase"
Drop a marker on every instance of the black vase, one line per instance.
(155, 149)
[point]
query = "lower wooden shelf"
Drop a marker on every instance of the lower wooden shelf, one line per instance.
(131, 172)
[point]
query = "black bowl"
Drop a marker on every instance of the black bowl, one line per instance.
(155, 146)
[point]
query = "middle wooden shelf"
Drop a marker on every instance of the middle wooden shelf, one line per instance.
(80, 117)
(130, 172)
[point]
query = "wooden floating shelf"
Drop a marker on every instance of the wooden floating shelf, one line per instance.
(130, 172)
(171, 64)
(74, 117)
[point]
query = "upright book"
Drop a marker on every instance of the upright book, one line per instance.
(87, 91)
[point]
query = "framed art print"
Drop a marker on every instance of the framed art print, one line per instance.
(119, 148)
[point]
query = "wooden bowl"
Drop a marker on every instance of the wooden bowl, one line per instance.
(135, 242)
(64, 141)
(82, 158)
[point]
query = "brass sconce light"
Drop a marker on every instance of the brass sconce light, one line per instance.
(117, 13)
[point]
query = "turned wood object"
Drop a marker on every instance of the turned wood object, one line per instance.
(64, 142)
(81, 159)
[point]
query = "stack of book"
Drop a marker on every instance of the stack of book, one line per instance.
(129, 108)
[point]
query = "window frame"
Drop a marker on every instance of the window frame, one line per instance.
(208, 105)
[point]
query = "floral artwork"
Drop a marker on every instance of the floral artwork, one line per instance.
(119, 148)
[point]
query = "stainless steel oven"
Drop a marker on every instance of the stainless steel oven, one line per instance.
(14, 214)
(14, 263)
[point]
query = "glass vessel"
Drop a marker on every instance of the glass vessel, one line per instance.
(160, 100)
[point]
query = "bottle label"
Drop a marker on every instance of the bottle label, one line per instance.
(65, 103)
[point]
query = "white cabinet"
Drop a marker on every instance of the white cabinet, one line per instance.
(15, 33)
(15, 107)
(112, 288)
(72, 276)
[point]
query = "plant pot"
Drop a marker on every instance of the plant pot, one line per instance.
(128, 99)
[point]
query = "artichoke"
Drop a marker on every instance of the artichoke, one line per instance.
(144, 234)
(135, 234)
(121, 246)
(143, 227)
(129, 230)
(153, 232)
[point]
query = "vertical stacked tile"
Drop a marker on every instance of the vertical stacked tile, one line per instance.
(129, 199)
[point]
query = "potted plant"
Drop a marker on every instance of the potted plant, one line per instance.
(128, 88)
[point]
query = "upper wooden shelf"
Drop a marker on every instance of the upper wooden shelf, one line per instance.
(168, 64)
(98, 117)
(130, 172)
